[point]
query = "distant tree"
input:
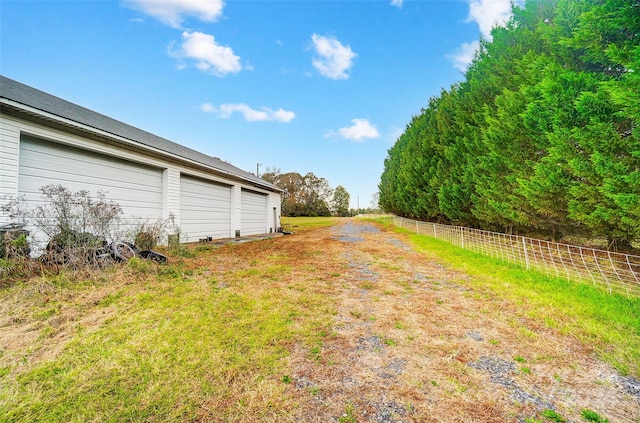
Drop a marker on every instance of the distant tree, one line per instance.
(375, 201)
(315, 195)
(271, 175)
(340, 202)
(306, 195)
(292, 183)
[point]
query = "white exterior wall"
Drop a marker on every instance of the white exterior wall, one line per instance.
(9, 148)
(171, 193)
(11, 128)
(255, 207)
(274, 203)
(236, 207)
(136, 188)
(205, 209)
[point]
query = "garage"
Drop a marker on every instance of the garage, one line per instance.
(135, 187)
(205, 209)
(254, 213)
(46, 140)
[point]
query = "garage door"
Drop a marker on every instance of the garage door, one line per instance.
(135, 187)
(254, 213)
(205, 209)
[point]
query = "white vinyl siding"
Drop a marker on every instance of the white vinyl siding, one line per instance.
(254, 213)
(135, 187)
(205, 209)
(9, 146)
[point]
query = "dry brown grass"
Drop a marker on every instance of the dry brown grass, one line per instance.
(407, 331)
(396, 337)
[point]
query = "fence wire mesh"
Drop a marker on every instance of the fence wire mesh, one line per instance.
(616, 272)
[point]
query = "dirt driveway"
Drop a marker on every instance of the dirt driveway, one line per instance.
(414, 342)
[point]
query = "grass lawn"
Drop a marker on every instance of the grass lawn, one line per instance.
(147, 342)
(210, 336)
(301, 224)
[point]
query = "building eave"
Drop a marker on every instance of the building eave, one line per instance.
(33, 114)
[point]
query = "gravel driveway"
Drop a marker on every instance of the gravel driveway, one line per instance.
(413, 341)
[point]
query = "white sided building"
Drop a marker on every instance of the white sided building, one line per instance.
(46, 140)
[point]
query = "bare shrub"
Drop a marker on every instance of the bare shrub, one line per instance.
(77, 225)
(145, 240)
(65, 212)
(173, 241)
(78, 230)
(147, 235)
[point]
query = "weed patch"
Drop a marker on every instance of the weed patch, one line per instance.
(553, 416)
(592, 416)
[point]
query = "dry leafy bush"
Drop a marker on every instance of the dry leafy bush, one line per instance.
(75, 231)
(74, 225)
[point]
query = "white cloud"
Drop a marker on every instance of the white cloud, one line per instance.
(210, 56)
(489, 13)
(265, 114)
(462, 57)
(332, 59)
(397, 3)
(208, 108)
(360, 129)
(173, 12)
(395, 133)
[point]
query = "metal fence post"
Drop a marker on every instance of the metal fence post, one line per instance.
(526, 254)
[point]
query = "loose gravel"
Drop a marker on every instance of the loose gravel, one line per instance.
(413, 342)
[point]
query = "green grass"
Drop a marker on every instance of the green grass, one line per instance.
(592, 416)
(553, 416)
(173, 344)
(303, 223)
(608, 322)
(390, 342)
(349, 414)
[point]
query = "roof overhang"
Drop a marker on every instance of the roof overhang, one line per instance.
(13, 108)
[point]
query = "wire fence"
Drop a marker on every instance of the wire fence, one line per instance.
(616, 272)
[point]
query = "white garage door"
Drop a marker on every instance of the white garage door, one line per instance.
(254, 213)
(135, 187)
(205, 209)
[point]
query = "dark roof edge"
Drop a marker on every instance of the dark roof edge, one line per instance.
(48, 104)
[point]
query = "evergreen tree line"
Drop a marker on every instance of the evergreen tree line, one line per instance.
(542, 136)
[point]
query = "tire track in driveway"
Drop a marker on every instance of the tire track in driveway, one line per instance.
(412, 342)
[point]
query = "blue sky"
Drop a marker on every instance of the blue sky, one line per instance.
(301, 86)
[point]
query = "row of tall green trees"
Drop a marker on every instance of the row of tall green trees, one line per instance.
(542, 136)
(308, 195)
